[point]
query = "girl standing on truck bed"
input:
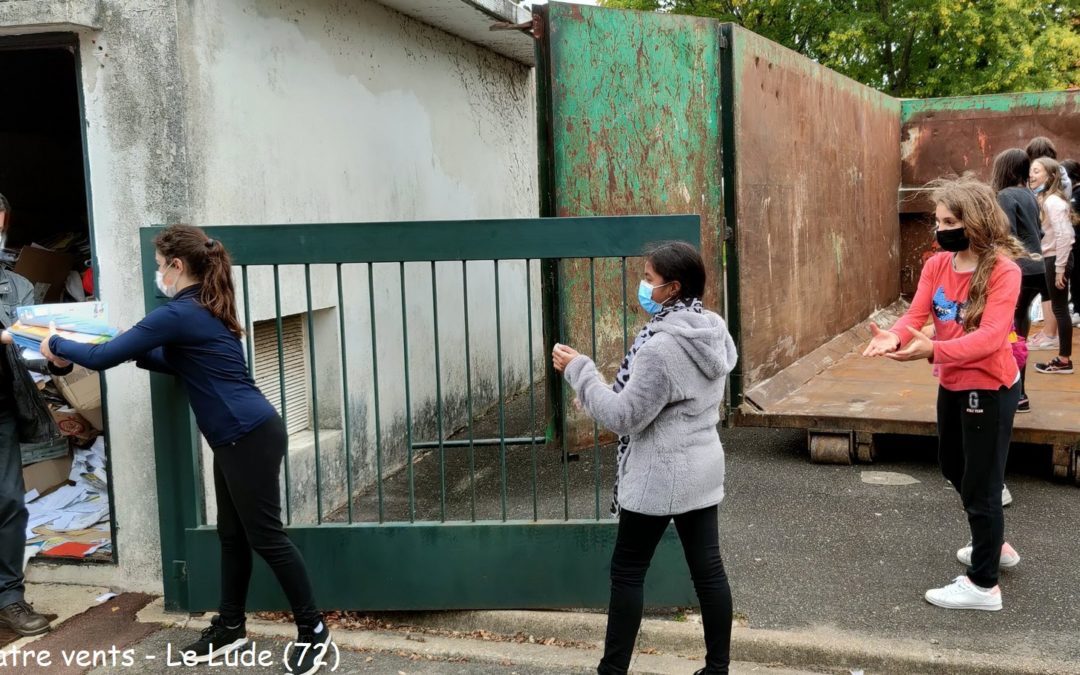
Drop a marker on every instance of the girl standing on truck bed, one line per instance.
(1057, 245)
(972, 289)
(1010, 181)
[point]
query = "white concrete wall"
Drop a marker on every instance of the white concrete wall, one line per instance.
(301, 111)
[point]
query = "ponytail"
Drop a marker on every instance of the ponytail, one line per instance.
(210, 263)
(218, 292)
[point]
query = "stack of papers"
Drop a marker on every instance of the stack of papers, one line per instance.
(83, 322)
(73, 521)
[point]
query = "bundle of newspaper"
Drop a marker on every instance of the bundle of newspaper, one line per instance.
(79, 321)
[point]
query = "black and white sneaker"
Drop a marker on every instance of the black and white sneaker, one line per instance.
(1055, 367)
(310, 652)
(216, 640)
(1025, 404)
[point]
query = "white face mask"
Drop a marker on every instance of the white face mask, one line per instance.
(167, 291)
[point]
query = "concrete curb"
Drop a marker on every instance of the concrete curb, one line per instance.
(824, 648)
(528, 655)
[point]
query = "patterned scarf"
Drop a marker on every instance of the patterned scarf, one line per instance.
(623, 376)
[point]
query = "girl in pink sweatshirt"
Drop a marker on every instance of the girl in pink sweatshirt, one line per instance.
(970, 290)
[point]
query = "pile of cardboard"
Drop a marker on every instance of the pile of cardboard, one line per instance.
(67, 496)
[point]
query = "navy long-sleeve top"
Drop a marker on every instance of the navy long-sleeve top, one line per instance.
(183, 338)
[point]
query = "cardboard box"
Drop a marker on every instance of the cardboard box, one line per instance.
(73, 424)
(44, 476)
(82, 390)
(44, 268)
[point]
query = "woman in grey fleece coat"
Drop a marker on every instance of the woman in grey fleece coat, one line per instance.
(665, 405)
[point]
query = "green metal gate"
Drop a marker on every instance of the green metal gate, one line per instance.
(430, 407)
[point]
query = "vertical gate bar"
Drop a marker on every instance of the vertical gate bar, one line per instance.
(532, 388)
(314, 394)
(281, 384)
(625, 312)
(408, 395)
(562, 408)
(247, 322)
(596, 359)
(502, 405)
(345, 395)
(468, 390)
(438, 395)
(375, 387)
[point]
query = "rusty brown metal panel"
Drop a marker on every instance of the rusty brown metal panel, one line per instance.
(816, 181)
(948, 136)
(634, 129)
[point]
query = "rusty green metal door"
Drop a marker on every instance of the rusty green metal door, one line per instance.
(629, 115)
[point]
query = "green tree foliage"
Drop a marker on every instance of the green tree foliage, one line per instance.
(916, 48)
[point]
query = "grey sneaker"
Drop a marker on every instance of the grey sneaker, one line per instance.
(1009, 556)
(1006, 496)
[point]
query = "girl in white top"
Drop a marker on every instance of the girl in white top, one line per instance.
(1057, 248)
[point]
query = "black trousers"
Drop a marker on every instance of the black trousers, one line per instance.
(974, 432)
(1031, 287)
(246, 478)
(1059, 302)
(634, 548)
(13, 515)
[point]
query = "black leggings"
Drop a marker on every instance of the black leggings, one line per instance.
(249, 517)
(1059, 301)
(974, 432)
(634, 547)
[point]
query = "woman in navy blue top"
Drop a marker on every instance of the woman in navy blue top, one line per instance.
(197, 337)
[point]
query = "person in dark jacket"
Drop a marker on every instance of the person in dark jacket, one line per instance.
(1072, 169)
(23, 419)
(1010, 178)
(197, 338)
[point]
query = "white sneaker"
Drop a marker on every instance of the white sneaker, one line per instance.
(1041, 343)
(1009, 556)
(1006, 496)
(962, 594)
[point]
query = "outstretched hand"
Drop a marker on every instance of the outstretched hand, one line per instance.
(882, 343)
(561, 357)
(47, 352)
(921, 347)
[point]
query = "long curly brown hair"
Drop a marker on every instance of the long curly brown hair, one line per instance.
(987, 228)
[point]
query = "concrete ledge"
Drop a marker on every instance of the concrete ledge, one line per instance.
(45, 16)
(820, 648)
(471, 20)
(568, 660)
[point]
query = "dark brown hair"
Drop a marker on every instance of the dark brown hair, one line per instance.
(679, 261)
(1011, 169)
(1072, 168)
(208, 261)
(1041, 146)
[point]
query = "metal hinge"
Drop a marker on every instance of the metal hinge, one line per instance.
(180, 569)
(723, 41)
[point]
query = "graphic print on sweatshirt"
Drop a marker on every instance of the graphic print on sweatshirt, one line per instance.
(946, 309)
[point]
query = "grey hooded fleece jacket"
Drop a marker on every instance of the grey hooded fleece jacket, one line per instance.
(670, 409)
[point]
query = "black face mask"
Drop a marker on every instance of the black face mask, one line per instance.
(953, 241)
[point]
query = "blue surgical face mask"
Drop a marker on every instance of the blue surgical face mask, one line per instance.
(644, 296)
(1040, 188)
